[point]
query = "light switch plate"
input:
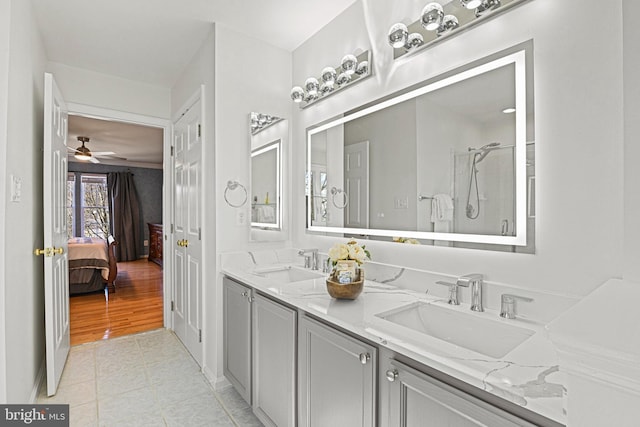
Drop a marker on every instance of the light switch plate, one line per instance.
(16, 189)
(241, 217)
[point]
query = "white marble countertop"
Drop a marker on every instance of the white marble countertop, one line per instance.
(528, 375)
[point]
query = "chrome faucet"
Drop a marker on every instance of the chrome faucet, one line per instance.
(508, 305)
(474, 282)
(310, 258)
(453, 292)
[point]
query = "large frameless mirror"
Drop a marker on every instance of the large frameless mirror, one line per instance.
(268, 136)
(449, 162)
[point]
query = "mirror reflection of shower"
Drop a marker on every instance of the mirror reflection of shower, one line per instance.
(473, 211)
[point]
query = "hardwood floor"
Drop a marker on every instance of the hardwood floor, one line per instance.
(136, 305)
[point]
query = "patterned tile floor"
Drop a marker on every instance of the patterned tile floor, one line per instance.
(145, 379)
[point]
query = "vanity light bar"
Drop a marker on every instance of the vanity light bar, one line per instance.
(260, 122)
(352, 69)
(437, 22)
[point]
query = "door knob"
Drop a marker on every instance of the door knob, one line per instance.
(364, 358)
(46, 252)
(392, 375)
(58, 251)
(185, 243)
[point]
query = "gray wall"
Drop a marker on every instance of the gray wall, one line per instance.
(148, 186)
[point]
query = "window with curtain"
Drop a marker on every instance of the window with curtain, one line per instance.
(71, 204)
(88, 205)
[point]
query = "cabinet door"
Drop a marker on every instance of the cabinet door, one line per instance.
(274, 352)
(237, 336)
(414, 399)
(337, 377)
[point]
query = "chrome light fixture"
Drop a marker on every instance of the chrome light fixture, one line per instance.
(260, 122)
(352, 68)
(362, 68)
(312, 86)
(329, 76)
(487, 6)
(398, 35)
(440, 21)
(432, 15)
(414, 40)
(449, 23)
(349, 64)
(297, 94)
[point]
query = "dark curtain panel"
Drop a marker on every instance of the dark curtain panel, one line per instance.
(125, 215)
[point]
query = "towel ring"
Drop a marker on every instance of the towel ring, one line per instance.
(345, 197)
(233, 185)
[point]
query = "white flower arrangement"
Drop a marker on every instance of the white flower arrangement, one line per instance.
(348, 251)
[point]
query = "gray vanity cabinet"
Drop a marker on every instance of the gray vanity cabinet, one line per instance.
(274, 357)
(410, 398)
(237, 336)
(337, 377)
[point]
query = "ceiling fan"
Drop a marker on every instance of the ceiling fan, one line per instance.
(83, 153)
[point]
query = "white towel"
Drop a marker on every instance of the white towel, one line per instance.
(267, 214)
(441, 208)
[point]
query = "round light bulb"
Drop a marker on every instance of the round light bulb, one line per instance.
(362, 68)
(328, 75)
(297, 94)
(487, 6)
(343, 78)
(349, 64)
(312, 86)
(449, 23)
(326, 88)
(432, 15)
(414, 40)
(398, 35)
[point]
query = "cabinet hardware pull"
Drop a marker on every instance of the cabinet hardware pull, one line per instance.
(244, 294)
(364, 358)
(392, 375)
(250, 299)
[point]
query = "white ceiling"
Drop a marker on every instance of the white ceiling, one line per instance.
(133, 145)
(151, 41)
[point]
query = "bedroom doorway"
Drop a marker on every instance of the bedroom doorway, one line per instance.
(139, 301)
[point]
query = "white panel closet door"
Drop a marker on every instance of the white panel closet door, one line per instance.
(187, 252)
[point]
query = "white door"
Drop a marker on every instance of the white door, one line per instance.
(356, 185)
(56, 268)
(187, 244)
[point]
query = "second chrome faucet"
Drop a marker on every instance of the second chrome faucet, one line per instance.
(472, 281)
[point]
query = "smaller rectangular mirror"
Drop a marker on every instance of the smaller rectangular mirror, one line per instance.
(266, 186)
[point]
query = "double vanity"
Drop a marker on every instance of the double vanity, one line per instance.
(394, 356)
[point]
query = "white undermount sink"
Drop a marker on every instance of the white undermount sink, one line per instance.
(493, 338)
(288, 274)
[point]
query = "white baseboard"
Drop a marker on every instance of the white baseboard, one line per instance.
(40, 381)
(218, 383)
